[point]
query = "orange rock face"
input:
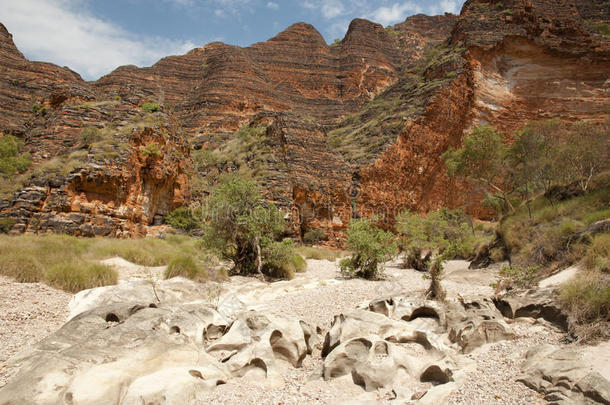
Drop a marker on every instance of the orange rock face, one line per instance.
(430, 80)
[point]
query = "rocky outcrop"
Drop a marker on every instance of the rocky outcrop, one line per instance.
(563, 376)
(151, 351)
(401, 341)
(539, 303)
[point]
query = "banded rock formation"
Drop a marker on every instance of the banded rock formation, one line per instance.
(353, 128)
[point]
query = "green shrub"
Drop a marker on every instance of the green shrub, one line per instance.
(151, 107)
(372, 247)
(37, 109)
(297, 261)
(445, 231)
(151, 150)
(76, 276)
(602, 27)
(90, 135)
(12, 159)
(518, 276)
(184, 218)
(281, 261)
(313, 236)
(185, 266)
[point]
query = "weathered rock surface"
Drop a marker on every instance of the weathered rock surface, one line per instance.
(400, 341)
(563, 377)
(166, 353)
(539, 303)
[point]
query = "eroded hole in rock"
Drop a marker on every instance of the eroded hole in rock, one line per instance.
(196, 374)
(435, 375)
(280, 348)
(423, 312)
(135, 309)
(174, 329)
(110, 317)
(381, 351)
(358, 348)
(220, 382)
(152, 305)
(255, 368)
(213, 332)
(358, 379)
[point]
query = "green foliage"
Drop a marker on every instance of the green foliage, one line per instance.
(77, 276)
(245, 153)
(543, 154)
(241, 228)
(37, 109)
(446, 231)
(281, 260)
(583, 152)
(184, 218)
(185, 266)
(151, 150)
(518, 276)
(12, 159)
(151, 107)
(372, 247)
(313, 236)
(602, 28)
(90, 135)
(482, 161)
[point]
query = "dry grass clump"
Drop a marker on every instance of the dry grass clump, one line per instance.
(319, 253)
(80, 275)
(186, 266)
(546, 239)
(587, 299)
(71, 263)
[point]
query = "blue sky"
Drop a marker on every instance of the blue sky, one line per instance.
(93, 37)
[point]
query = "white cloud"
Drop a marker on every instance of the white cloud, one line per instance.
(63, 32)
(272, 5)
(397, 12)
(332, 8)
(446, 6)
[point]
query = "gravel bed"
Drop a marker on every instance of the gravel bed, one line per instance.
(28, 313)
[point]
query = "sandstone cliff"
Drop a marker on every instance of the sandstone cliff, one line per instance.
(330, 132)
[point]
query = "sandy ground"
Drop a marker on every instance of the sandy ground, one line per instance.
(29, 312)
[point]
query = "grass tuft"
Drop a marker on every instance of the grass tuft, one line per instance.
(78, 275)
(187, 267)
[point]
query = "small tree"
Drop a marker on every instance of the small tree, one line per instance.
(482, 162)
(372, 247)
(584, 151)
(442, 231)
(240, 226)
